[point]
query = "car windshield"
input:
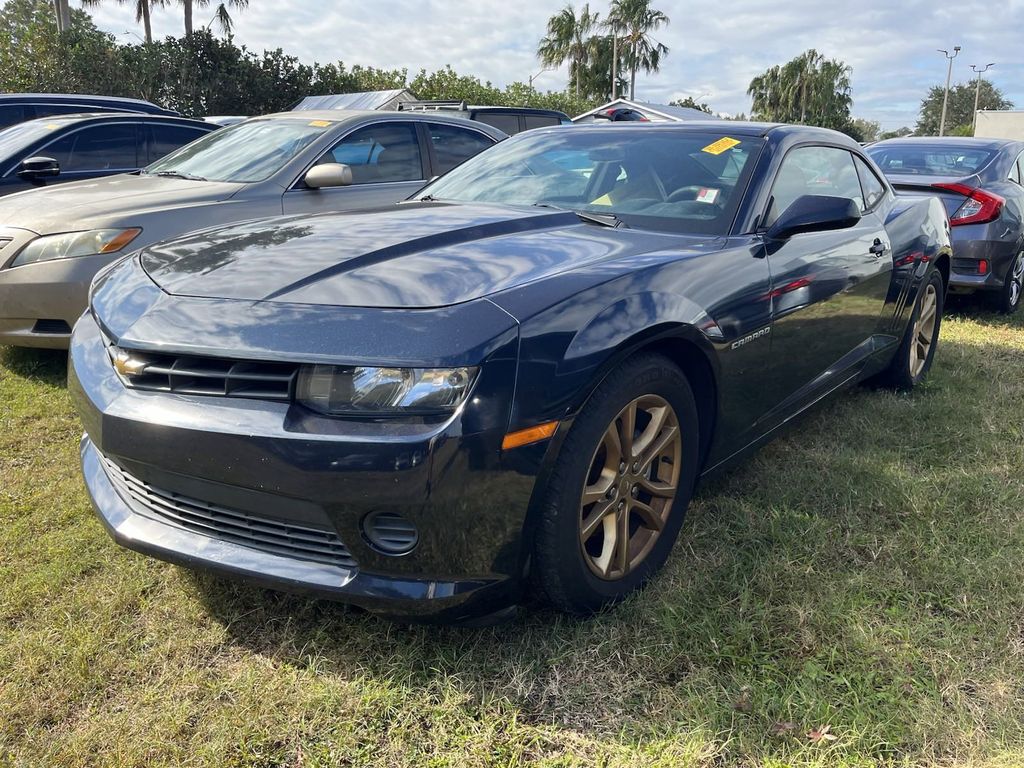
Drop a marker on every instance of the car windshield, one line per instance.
(929, 159)
(642, 176)
(246, 152)
(16, 137)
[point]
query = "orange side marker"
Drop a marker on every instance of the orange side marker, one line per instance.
(529, 435)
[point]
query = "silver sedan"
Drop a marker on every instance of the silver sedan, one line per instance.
(54, 241)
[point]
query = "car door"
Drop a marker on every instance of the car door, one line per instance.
(452, 145)
(829, 288)
(388, 164)
(96, 150)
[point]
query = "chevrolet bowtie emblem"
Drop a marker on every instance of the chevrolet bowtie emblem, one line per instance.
(127, 365)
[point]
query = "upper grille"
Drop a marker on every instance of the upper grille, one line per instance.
(253, 531)
(192, 375)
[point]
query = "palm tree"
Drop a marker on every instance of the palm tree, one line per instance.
(568, 40)
(142, 9)
(222, 16)
(637, 20)
(63, 14)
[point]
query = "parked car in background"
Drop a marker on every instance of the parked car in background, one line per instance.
(514, 379)
(511, 120)
(18, 107)
(980, 183)
(55, 150)
(53, 241)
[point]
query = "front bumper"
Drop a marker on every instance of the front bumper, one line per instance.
(40, 302)
(277, 462)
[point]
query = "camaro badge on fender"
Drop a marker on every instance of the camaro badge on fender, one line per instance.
(752, 337)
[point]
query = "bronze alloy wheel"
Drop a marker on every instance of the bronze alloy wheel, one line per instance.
(630, 487)
(924, 330)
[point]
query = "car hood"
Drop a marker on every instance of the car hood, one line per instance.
(411, 255)
(64, 207)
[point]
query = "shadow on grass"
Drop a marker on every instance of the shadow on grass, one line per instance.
(46, 366)
(873, 519)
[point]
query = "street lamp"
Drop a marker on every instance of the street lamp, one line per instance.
(977, 93)
(945, 97)
(534, 77)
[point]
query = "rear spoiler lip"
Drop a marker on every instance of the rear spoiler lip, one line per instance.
(910, 183)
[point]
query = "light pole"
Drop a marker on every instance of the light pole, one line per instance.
(534, 77)
(945, 97)
(977, 93)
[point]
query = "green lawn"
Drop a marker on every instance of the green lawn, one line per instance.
(852, 596)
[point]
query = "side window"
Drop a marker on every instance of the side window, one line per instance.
(874, 189)
(1017, 174)
(379, 153)
(106, 147)
(11, 114)
(164, 139)
(453, 145)
(814, 171)
(500, 120)
(539, 121)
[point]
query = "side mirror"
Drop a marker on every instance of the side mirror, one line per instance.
(328, 175)
(38, 168)
(814, 213)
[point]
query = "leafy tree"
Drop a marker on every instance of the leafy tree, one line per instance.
(690, 102)
(898, 133)
(809, 89)
(568, 40)
(637, 20)
(865, 130)
(960, 111)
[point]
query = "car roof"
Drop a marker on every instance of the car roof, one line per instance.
(135, 105)
(344, 116)
(962, 142)
(100, 117)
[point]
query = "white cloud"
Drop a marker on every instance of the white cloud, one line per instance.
(715, 49)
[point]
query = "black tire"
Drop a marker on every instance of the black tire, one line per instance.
(901, 374)
(562, 571)
(1007, 301)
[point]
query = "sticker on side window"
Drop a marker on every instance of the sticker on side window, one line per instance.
(722, 145)
(706, 195)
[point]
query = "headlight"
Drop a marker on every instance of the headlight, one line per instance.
(349, 390)
(71, 244)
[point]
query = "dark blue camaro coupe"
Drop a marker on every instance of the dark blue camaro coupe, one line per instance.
(511, 383)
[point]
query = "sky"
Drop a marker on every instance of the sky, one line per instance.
(715, 49)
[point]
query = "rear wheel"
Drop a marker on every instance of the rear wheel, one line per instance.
(1008, 299)
(618, 493)
(914, 358)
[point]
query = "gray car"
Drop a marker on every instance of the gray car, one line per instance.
(981, 184)
(54, 241)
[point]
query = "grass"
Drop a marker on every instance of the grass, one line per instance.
(849, 597)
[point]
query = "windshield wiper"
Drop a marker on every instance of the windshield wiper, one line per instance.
(180, 175)
(605, 219)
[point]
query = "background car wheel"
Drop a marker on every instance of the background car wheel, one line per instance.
(914, 358)
(618, 493)
(1008, 299)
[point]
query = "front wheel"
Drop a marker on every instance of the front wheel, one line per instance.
(914, 357)
(1008, 299)
(618, 493)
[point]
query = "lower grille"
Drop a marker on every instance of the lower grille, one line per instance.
(51, 327)
(216, 522)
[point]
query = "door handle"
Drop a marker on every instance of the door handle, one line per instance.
(878, 248)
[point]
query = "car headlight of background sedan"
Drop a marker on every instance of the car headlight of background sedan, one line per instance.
(339, 390)
(71, 244)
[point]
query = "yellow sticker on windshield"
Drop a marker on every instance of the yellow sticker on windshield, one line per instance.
(51, 126)
(720, 146)
(325, 123)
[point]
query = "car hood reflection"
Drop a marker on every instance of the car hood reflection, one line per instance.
(415, 255)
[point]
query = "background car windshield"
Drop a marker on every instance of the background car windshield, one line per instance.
(930, 160)
(247, 152)
(17, 137)
(648, 178)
